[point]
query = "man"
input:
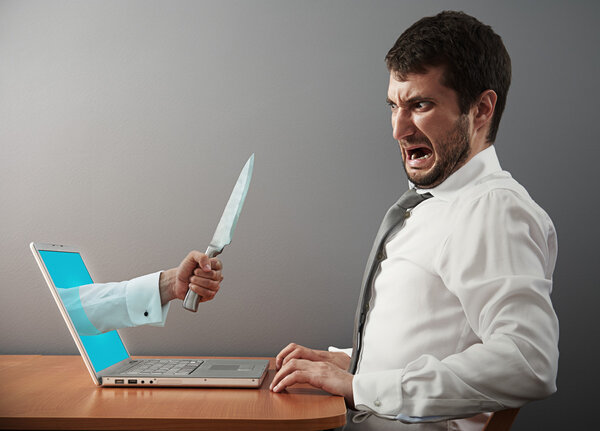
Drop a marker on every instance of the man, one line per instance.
(459, 319)
(101, 307)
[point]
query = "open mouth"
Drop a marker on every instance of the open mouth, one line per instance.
(419, 153)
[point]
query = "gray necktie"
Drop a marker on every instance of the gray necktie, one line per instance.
(394, 217)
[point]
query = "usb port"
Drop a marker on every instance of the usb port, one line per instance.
(119, 381)
(132, 381)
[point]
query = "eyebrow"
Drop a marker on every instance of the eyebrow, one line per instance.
(412, 100)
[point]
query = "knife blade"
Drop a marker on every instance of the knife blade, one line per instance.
(226, 226)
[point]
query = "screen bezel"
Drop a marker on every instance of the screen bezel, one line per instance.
(35, 249)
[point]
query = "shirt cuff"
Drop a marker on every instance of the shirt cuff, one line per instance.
(337, 349)
(379, 392)
(143, 301)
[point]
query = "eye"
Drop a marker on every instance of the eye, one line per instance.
(422, 105)
(391, 104)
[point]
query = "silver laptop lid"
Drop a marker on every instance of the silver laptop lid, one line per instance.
(64, 271)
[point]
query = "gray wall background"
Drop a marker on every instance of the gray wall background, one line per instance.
(123, 125)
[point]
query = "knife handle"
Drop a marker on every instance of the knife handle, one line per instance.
(192, 299)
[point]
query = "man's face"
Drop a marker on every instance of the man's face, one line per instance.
(434, 137)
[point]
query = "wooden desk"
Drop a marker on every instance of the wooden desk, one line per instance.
(56, 392)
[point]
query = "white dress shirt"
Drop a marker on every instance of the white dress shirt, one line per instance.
(101, 307)
(460, 319)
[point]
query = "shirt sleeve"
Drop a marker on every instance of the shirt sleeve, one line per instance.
(347, 351)
(135, 302)
(498, 261)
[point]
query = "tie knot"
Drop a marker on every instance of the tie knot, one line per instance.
(411, 199)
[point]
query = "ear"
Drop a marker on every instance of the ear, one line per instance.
(483, 110)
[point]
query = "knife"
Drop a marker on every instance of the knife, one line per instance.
(226, 225)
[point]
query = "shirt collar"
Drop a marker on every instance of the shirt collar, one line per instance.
(482, 164)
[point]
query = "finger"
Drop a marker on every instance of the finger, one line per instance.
(290, 367)
(206, 283)
(187, 265)
(301, 353)
(216, 264)
(283, 354)
(201, 259)
(212, 274)
(289, 380)
(280, 375)
(296, 376)
(202, 292)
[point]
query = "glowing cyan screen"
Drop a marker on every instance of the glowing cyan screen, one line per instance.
(68, 272)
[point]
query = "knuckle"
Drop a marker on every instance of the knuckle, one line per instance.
(298, 376)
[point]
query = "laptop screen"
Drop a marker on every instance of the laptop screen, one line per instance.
(68, 272)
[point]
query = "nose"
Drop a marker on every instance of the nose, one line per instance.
(402, 124)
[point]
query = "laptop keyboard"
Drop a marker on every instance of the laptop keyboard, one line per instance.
(161, 367)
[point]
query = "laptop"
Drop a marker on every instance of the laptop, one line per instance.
(106, 356)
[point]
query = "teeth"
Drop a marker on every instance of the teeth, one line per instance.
(414, 156)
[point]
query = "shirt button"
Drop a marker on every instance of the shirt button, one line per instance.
(379, 256)
(146, 313)
(377, 403)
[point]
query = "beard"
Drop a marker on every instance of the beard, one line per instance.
(451, 153)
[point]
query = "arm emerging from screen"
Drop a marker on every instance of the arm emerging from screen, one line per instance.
(102, 307)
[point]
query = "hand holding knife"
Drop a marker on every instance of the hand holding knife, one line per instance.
(226, 226)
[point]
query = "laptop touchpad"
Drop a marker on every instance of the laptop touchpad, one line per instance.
(224, 367)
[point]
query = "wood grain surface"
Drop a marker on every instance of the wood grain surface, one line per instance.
(56, 392)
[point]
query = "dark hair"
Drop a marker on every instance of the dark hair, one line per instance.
(474, 58)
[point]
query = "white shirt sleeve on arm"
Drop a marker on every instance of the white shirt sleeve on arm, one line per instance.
(498, 261)
(136, 302)
(337, 349)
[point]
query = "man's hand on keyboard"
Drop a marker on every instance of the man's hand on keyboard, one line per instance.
(319, 368)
